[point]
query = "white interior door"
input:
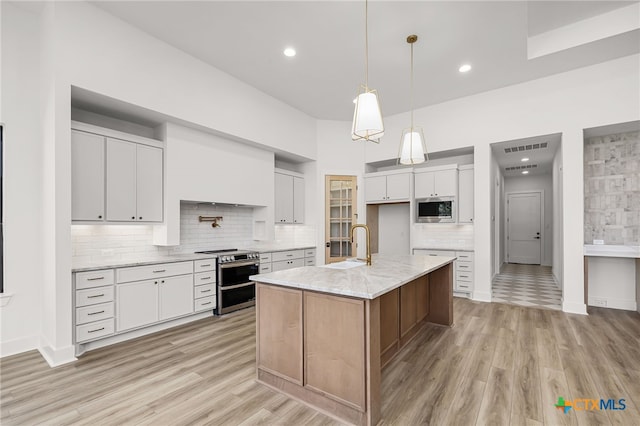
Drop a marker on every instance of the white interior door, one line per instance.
(524, 228)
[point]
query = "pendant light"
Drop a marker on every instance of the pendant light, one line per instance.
(412, 146)
(367, 117)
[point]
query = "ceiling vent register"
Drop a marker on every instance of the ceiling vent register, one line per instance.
(528, 166)
(522, 148)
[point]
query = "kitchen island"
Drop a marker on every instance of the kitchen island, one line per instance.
(323, 334)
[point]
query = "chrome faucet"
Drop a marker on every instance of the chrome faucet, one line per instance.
(366, 228)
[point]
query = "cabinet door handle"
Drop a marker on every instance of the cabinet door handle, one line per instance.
(99, 216)
(97, 295)
(95, 279)
(133, 217)
(159, 271)
(95, 313)
(93, 331)
(140, 218)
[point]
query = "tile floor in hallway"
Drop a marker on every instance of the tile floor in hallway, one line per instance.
(527, 285)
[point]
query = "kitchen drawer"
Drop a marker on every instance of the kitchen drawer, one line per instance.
(94, 330)
(287, 255)
(204, 278)
(310, 261)
(205, 303)
(204, 290)
(463, 266)
(265, 267)
(465, 255)
(94, 313)
(464, 276)
(434, 252)
(150, 272)
(92, 279)
(310, 253)
(265, 257)
(287, 264)
(464, 286)
(93, 296)
(204, 265)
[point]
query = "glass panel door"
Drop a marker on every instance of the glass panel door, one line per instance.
(340, 199)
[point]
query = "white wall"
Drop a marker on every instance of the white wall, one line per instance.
(20, 105)
(393, 229)
(544, 184)
(558, 251)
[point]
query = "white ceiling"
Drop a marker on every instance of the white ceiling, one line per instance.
(540, 158)
(246, 40)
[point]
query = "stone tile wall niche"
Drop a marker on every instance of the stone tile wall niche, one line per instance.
(612, 189)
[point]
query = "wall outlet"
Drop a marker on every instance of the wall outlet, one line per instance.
(598, 242)
(599, 302)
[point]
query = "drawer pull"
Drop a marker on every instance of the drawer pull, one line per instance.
(204, 266)
(95, 313)
(207, 303)
(464, 276)
(289, 255)
(161, 270)
(95, 279)
(205, 291)
(205, 278)
(96, 330)
(463, 266)
(94, 296)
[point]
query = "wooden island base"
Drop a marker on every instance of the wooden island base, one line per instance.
(328, 350)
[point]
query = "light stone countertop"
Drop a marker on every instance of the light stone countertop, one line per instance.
(110, 262)
(386, 273)
(598, 250)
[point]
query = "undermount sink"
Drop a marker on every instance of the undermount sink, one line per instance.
(346, 264)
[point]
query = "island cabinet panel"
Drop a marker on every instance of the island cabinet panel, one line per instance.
(340, 352)
(441, 296)
(408, 311)
(279, 314)
(422, 297)
(389, 325)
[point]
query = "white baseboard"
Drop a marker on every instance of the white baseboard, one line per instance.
(613, 303)
(56, 356)
(574, 308)
(17, 346)
(481, 296)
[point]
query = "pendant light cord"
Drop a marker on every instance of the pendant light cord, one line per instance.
(366, 45)
(411, 87)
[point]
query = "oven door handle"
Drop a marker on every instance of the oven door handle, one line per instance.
(233, 287)
(234, 265)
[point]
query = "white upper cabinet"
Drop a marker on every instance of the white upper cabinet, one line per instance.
(149, 183)
(289, 198)
(121, 180)
(87, 176)
(134, 182)
(465, 194)
(115, 179)
(436, 183)
(380, 188)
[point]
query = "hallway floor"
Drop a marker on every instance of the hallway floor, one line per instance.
(527, 285)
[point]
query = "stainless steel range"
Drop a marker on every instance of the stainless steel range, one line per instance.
(234, 288)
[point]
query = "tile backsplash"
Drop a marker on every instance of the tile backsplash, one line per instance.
(612, 189)
(90, 242)
(443, 235)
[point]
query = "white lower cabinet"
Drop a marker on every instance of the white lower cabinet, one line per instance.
(137, 304)
(289, 259)
(462, 268)
(94, 308)
(204, 285)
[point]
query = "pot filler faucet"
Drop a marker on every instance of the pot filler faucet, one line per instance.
(366, 228)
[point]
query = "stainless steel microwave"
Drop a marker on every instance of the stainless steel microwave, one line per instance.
(436, 210)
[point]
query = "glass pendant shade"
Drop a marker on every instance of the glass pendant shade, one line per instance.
(367, 118)
(412, 146)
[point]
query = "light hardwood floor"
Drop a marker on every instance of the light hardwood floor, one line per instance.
(499, 365)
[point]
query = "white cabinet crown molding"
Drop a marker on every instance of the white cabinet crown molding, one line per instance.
(115, 134)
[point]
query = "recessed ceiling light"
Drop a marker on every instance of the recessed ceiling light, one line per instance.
(525, 159)
(289, 51)
(465, 68)
(526, 172)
